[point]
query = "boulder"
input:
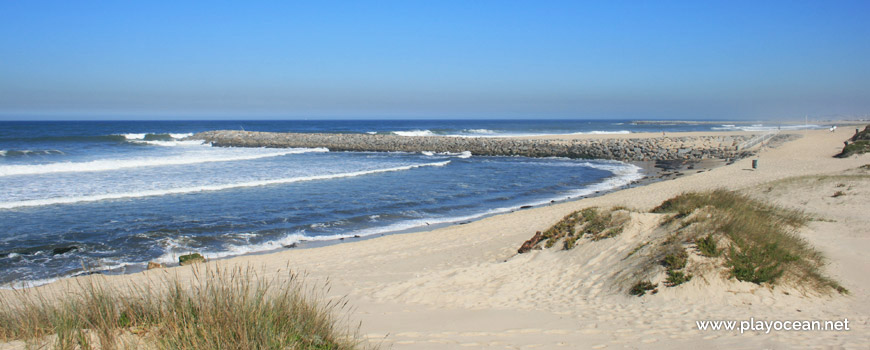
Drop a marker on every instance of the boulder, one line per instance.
(189, 259)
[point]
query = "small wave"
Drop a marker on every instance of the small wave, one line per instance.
(415, 133)
(134, 136)
(165, 139)
(762, 127)
(479, 131)
(462, 155)
(116, 164)
(184, 190)
(172, 143)
(27, 152)
(155, 136)
(602, 132)
(43, 281)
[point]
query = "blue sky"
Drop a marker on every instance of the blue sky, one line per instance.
(434, 59)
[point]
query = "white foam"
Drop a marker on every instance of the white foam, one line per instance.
(43, 281)
(141, 136)
(415, 133)
(479, 131)
(762, 127)
(463, 154)
(4, 153)
(208, 188)
(602, 132)
(32, 283)
(116, 164)
(172, 143)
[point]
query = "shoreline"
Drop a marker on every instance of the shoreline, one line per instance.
(460, 285)
(650, 171)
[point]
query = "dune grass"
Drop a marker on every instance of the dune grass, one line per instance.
(592, 223)
(860, 143)
(762, 246)
(216, 309)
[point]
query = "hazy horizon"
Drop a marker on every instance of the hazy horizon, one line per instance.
(446, 60)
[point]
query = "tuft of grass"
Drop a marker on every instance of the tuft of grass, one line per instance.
(640, 288)
(594, 223)
(217, 309)
(676, 278)
(676, 260)
(707, 246)
(602, 225)
(762, 244)
(758, 264)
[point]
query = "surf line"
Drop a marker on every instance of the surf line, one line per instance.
(184, 190)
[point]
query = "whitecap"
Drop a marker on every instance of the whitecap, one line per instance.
(206, 188)
(415, 133)
(602, 132)
(116, 164)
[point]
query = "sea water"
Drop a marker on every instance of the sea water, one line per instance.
(108, 197)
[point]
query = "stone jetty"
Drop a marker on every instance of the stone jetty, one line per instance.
(625, 149)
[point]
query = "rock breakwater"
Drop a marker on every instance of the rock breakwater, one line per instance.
(625, 149)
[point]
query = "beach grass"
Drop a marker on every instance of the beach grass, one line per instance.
(215, 309)
(761, 244)
(592, 223)
(860, 144)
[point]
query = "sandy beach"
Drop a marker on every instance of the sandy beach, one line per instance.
(465, 286)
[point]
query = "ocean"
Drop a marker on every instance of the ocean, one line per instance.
(80, 197)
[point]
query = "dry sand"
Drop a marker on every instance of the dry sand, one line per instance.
(463, 286)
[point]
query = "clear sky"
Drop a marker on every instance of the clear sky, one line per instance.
(434, 59)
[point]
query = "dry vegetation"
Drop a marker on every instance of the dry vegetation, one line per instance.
(748, 239)
(590, 223)
(758, 239)
(217, 309)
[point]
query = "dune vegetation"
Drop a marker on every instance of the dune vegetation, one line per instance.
(216, 309)
(748, 239)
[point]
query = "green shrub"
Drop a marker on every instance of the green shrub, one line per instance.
(640, 288)
(762, 245)
(758, 264)
(676, 260)
(676, 278)
(707, 246)
(190, 259)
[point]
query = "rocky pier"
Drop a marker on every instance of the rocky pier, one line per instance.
(624, 149)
